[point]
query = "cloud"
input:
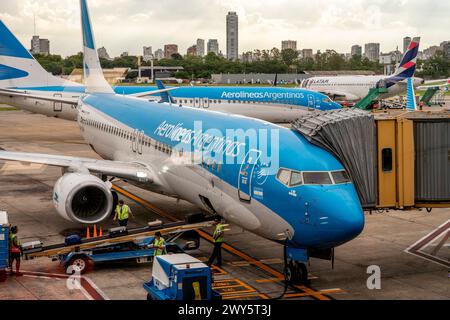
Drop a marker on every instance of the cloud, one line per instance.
(127, 25)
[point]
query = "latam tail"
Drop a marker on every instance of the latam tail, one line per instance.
(19, 69)
(94, 79)
(408, 64)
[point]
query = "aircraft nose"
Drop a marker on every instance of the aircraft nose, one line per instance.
(342, 215)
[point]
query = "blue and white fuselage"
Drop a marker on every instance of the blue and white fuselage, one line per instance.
(311, 215)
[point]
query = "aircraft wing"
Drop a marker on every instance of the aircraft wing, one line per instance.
(151, 93)
(333, 94)
(16, 93)
(125, 170)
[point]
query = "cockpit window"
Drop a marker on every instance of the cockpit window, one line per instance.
(317, 178)
(341, 177)
(296, 179)
(284, 176)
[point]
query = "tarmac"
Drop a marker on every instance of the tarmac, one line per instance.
(401, 244)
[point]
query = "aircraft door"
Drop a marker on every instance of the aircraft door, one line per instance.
(311, 101)
(134, 142)
(57, 106)
(246, 175)
(205, 103)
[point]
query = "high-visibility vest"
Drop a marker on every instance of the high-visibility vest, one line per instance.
(123, 213)
(14, 243)
(219, 233)
(159, 243)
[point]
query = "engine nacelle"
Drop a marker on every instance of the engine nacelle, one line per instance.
(83, 198)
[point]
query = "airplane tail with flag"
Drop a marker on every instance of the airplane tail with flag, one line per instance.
(94, 79)
(19, 69)
(408, 64)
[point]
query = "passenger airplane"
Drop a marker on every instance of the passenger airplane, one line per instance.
(19, 71)
(264, 178)
(354, 88)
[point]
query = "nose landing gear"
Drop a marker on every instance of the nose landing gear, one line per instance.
(297, 273)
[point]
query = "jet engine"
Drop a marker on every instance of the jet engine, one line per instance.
(83, 198)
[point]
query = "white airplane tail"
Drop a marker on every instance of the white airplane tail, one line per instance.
(19, 69)
(94, 79)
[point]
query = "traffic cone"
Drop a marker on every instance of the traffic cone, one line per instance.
(100, 234)
(88, 233)
(95, 231)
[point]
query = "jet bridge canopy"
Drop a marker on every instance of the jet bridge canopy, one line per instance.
(350, 135)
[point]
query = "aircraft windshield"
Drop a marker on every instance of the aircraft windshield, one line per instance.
(291, 178)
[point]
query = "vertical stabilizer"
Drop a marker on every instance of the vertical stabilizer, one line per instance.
(94, 79)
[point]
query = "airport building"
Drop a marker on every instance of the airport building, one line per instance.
(169, 50)
(232, 36)
(213, 46)
(40, 46)
(372, 51)
(201, 47)
(289, 44)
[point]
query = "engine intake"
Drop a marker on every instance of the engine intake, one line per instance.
(83, 198)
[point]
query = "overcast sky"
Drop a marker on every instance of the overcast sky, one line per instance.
(127, 25)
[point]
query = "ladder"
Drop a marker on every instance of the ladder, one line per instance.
(428, 95)
(373, 95)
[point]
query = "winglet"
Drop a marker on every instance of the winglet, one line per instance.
(165, 95)
(94, 79)
(411, 103)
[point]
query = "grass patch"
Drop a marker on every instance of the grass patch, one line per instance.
(8, 109)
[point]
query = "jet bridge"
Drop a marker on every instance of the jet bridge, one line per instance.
(397, 159)
(350, 135)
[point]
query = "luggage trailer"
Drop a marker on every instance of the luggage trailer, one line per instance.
(116, 245)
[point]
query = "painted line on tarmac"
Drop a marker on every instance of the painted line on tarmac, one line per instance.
(88, 287)
(416, 248)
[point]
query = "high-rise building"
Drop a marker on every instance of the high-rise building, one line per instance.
(307, 54)
(103, 53)
(159, 54)
(169, 50)
(125, 54)
(372, 51)
(147, 54)
(200, 47)
(40, 46)
(430, 52)
(232, 36)
(445, 48)
(356, 50)
(213, 46)
(289, 44)
(406, 42)
(192, 50)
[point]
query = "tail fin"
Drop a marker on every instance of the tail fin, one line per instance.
(165, 95)
(19, 69)
(408, 64)
(94, 79)
(411, 103)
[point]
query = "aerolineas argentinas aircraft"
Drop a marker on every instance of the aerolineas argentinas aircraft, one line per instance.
(269, 180)
(20, 72)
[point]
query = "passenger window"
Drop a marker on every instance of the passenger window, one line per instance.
(341, 177)
(386, 160)
(296, 179)
(284, 176)
(317, 178)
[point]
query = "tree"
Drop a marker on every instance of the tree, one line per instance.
(289, 56)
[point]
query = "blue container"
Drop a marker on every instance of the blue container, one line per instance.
(4, 240)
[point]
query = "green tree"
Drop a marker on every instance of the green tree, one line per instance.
(289, 56)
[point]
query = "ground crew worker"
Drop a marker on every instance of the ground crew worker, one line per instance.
(123, 212)
(15, 251)
(159, 244)
(218, 235)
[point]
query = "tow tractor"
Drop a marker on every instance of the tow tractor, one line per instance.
(118, 244)
(180, 277)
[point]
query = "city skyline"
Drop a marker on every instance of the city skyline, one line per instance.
(260, 26)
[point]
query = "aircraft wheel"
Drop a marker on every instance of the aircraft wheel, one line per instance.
(149, 297)
(297, 273)
(429, 210)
